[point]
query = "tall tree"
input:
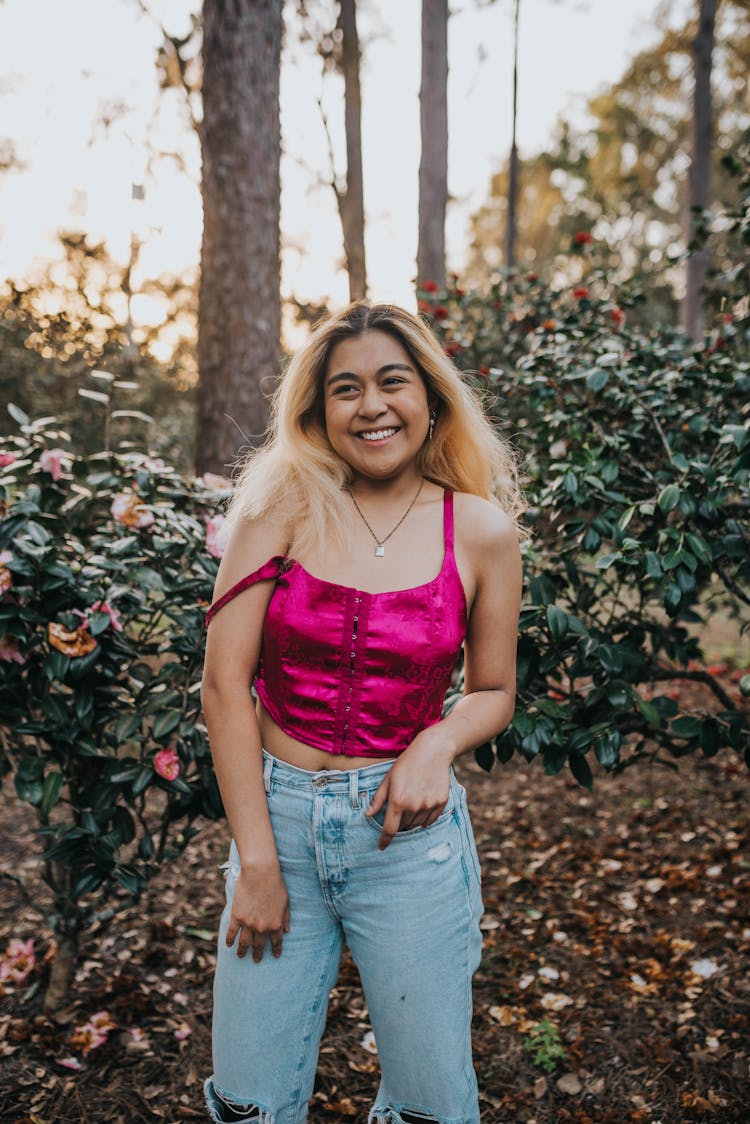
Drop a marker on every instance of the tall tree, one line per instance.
(700, 169)
(433, 164)
(510, 232)
(239, 303)
(351, 201)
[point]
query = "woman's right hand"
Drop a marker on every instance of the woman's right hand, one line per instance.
(260, 909)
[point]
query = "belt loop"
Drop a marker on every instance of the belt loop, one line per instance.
(267, 770)
(354, 787)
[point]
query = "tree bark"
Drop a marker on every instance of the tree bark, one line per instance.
(239, 303)
(510, 230)
(62, 973)
(351, 204)
(433, 164)
(700, 170)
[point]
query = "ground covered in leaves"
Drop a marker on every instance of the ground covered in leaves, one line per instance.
(614, 985)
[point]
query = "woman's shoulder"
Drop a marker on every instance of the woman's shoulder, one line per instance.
(482, 525)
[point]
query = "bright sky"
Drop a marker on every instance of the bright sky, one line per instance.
(61, 62)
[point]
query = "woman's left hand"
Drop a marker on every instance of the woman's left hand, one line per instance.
(416, 788)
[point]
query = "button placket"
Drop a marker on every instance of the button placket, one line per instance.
(352, 659)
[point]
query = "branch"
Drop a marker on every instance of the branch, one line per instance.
(28, 899)
(698, 676)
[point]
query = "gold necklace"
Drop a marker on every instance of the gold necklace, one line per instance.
(380, 543)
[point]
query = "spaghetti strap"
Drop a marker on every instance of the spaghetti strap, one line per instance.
(448, 520)
(269, 571)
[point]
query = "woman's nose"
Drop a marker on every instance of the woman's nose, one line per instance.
(372, 403)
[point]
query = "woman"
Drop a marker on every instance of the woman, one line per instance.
(374, 534)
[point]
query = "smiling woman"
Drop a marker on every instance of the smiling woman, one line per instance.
(347, 820)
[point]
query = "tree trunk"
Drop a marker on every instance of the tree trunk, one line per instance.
(510, 230)
(700, 170)
(63, 971)
(239, 304)
(433, 164)
(352, 205)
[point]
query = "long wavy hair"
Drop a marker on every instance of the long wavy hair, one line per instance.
(297, 469)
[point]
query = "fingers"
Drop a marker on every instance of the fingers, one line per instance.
(380, 797)
(391, 824)
(255, 939)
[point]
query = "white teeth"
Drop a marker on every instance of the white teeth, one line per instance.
(378, 434)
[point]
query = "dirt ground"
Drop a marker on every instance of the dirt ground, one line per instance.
(619, 916)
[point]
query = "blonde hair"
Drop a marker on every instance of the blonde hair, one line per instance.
(297, 470)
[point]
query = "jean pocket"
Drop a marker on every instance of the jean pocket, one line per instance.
(376, 822)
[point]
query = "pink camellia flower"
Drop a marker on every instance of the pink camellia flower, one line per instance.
(137, 1033)
(70, 1063)
(167, 764)
(113, 614)
(51, 461)
(18, 961)
(7, 459)
(87, 1037)
(6, 577)
(218, 483)
(216, 533)
(183, 1031)
(128, 509)
(9, 650)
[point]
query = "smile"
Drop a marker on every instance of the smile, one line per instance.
(378, 434)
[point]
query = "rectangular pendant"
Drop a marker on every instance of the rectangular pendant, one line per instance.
(379, 550)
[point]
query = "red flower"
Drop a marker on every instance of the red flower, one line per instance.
(617, 316)
(581, 293)
(532, 276)
(167, 763)
(430, 287)
(441, 312)
(728, 318)
(452, 348)
(484, 371)
(424, 306)
(582, 238)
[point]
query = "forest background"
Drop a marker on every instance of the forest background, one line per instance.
(598, 301)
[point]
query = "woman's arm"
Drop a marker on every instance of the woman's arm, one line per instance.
(260, 905)
(417, 787)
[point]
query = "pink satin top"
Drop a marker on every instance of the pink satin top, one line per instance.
(353, 672)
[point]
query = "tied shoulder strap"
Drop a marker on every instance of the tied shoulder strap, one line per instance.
(269, 571)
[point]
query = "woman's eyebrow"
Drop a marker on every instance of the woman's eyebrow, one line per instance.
(381, 371)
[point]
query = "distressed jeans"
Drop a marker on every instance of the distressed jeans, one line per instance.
(410, 916)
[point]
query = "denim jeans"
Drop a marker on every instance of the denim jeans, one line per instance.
(410, 916)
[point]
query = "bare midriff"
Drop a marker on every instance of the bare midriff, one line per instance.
(303, 756)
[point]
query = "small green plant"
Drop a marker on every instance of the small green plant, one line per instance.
(543, 1040)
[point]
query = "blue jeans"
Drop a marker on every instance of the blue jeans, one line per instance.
(410, 916)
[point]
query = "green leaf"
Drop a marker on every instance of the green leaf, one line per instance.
(53, 783)
(669, 497)
(165, 723)
(557, 620)
(581, 770)
(17, 414)
(606, 560)
(485, 756)
(686, 726)
(597, 380)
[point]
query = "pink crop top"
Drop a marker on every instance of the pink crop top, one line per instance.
(353, 672)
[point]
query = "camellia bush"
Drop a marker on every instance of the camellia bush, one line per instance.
(106, 567)
(637, 455)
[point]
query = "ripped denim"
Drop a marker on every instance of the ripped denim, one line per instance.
(409, 914)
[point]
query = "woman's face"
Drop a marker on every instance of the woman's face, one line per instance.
(376, 407)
